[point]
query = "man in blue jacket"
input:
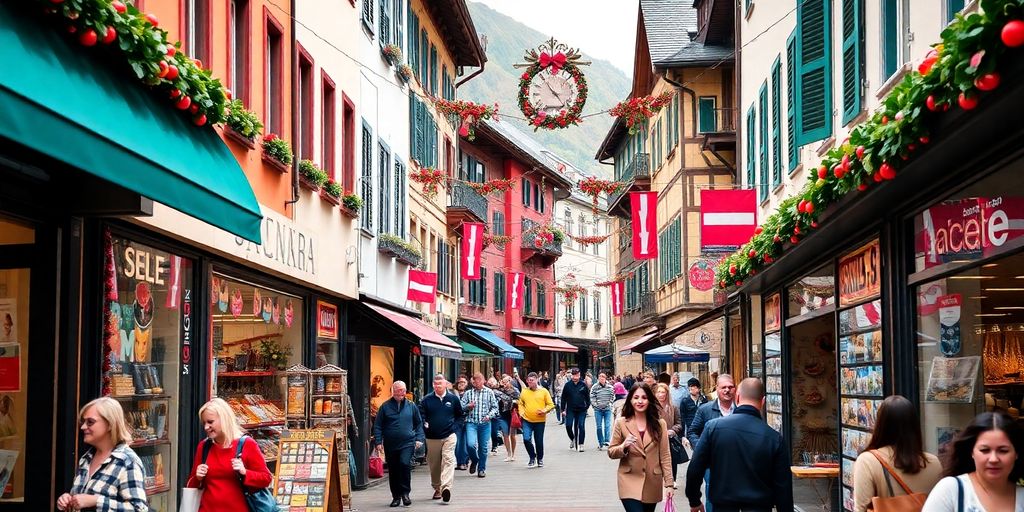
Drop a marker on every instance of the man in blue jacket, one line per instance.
(717, 408)
(575, 402)
(741, 449)
(397, 431)
(441, 410)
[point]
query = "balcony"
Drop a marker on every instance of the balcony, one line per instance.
(718, 126)
(544, 255)
(637, 176)
(644, 313)
(465, 205)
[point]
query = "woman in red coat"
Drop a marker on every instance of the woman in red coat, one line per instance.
(222, 474)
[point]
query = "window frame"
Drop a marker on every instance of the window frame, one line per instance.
(366, 177)
(348, 145)
(198, 46)
(328, 125)
(304, 66)
(273, 97)
(239, 68)
(383, 187)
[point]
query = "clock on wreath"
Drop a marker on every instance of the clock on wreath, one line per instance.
(552, 89)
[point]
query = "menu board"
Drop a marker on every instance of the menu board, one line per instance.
(861, 390)
(307, 475)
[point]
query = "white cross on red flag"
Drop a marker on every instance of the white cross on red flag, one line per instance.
(516, 290)
(422, 286)
(472, 246)
(617, 289)
(643, 206)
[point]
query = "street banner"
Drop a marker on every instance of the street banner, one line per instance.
(472, 246)
(516, 290)
(617, 289)
(421, 286)
(727, 219)
(643, 206)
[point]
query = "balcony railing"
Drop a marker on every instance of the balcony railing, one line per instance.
(553, 248)
(639, 167)
(645, 311)
(718, 120)
(461, 195)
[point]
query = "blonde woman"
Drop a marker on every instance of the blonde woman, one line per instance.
(218, 469)
(110, 474)
(670, 413)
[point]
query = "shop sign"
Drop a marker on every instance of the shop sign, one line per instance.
(969, 228)
(859, 277)
(326, 320)
(186, 331)
(773, 313)
(702, 274)
(284, 243)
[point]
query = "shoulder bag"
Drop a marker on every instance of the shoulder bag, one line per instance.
(516, 421)
(191, 497)
(911, 502)
(260, 500)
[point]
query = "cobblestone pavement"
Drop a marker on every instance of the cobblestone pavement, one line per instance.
(569, 481)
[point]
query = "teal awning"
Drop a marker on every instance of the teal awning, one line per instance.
(58, 100)
(489, 338)
(471, 351)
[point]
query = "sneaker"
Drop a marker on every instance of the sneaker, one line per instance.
(446, 495)
(481, 474)
(540, 463)
(579, 448)
(460, 467)
(508, 459)
(572, 445)
(532, 464)
(436, 496)
(472, 467)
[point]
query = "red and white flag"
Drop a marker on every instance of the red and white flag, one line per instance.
(645, 224)
(472, 246)
(617, 288)
(728, 219)
(174, 283)
(517, 285)
(422, 286)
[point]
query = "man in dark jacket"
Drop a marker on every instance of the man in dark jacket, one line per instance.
(717, 408)
(575, 402)
(741, 448)
(441, 410)
(397, 431)
(689, 404)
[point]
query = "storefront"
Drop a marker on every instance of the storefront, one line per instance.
(912, 288)
(504, 355)
(545, 352)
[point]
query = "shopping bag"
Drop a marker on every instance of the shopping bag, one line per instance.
(517, 422)
(376, 469)
(669, 506)
(190, 499)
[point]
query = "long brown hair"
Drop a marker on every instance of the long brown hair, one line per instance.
(651, 413)
(960, 460)
(899, 426)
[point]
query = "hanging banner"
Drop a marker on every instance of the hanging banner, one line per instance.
(421, 286)
(617, 289)
(727, 219)
(472, 246)
(645, 224)
(949, 323)
(516, 290)
(859, 277)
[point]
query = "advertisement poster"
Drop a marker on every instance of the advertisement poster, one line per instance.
(8, 458)
(8, 321)
(10, 349)
(702, 274)
(773, 313)
(859, 277)
(949, 322)
(952, 380)
(326, 321)
(382, 376)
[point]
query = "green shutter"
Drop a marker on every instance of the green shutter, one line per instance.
(414, 126)
(890, 38)
(952, 8)
(706, 114)
(751, 161)
(422, 66)
(853, 56)
(814, 46)
(762, 140)
(776, 122)
(677, 246)
(791, 107)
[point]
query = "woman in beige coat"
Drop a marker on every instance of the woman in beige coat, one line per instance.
(640, 442)
(674, 422)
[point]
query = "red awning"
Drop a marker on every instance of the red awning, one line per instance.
(432, 342)
(628, 349)
(549, 344)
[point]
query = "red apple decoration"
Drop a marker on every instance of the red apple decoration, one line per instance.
(987, 82)
(118, 6)
(968, 101)
(183, 103)
(172, 72)
(1013, 33)
(153, 20)
(88, 37)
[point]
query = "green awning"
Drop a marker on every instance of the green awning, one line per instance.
(61, 101)
(471, 351)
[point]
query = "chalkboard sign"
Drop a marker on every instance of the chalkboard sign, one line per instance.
(307, 473)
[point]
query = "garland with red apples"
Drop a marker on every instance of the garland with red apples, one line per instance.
(958, 71)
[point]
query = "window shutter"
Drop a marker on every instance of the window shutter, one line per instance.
(384, 37)
(814, 47)
(413, 112)
(399, 36)
(776, 122)
(483, 286)
(762, 140)
(853, 56)
(368, 13)
(433, 69)
(791, 107)
(952, 8)
(424, 55)
(751, 160)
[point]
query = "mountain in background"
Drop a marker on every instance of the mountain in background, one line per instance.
(507, 41)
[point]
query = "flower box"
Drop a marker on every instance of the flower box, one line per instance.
(242, 140)
(392, 247)
(307, 183)
(329, 198)
(275, 164)
(354, 214)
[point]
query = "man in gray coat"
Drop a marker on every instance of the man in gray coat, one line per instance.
(720, 407)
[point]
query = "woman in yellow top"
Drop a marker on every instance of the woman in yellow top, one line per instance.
(534, 405)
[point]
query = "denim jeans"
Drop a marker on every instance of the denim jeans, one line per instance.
(604, 426)
(576, 425)
(529, 429)
(478, 440)
(558, 410)
(461, 451)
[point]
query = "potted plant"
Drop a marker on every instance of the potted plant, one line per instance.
(310, 176)
(243, 126)
(273, 354)
(392, 53)
(277, 152)
(331, 191)
(398, 248)
(405, 72)
(351, 204)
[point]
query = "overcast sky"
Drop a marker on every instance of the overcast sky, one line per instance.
(604, 29)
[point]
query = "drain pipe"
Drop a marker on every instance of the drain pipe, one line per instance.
(472, 76)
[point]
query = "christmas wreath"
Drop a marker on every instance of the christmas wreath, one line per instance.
(501, 185)
(559, 61)
(469, 113)
(431, 179)
(958, 71)
(637, 111)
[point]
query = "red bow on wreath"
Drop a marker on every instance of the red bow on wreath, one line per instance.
(556, 61)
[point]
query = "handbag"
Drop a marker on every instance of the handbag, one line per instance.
(516, 422)
(191, 497)
(669, 506)
(911, 502)
(376, 466)
(675, 447)
(259, 500)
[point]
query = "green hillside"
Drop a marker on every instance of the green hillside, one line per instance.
(507, 41)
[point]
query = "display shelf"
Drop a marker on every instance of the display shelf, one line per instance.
(264, 424)
(247, 374)
(132, 398)
(157, 489)
(322, 416)
(326, 394)
(150, 442)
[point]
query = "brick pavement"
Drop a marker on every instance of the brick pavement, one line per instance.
(569, 482)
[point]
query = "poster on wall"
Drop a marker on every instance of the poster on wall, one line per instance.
(326, 321)
(382, 376)
(8, 321)
(949, 322)
(773, 313)
(10, 349)
(952, 380)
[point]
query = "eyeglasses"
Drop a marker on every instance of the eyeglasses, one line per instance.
(89, 422)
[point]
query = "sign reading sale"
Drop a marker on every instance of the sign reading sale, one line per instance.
(969, 228)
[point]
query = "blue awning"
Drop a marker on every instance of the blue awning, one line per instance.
(500, 345)
(676, 354)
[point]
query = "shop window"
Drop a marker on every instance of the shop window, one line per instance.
(813, 292)
(772, 348)
(197, 30)
(597, 307)
(149, 318)
(255, 332)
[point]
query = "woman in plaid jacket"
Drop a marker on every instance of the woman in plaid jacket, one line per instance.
(110, 475)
